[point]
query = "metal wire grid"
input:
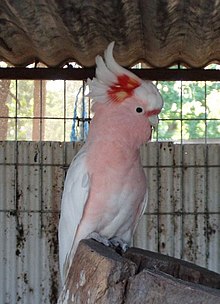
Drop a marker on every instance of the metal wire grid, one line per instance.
(182, 212)
(159, 212)
(81, 120)
(183, 203)
(205, 166)
(27, 121)
(59, 125)
(208, 116)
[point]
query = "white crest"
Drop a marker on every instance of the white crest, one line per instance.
(115, 83)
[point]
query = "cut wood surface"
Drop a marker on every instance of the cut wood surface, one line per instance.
(101, 275)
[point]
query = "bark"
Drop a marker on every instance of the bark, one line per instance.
(101, 275)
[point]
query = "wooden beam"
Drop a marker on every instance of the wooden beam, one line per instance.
(100, 274)
(84, 73)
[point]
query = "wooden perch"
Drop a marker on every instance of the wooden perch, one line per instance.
(99, 275)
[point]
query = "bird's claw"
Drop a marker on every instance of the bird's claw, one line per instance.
(117, 242)
(99, 238)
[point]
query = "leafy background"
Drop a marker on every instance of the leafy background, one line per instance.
(191, 111)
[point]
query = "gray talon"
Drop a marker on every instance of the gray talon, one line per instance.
(99, 238)
(117, 242)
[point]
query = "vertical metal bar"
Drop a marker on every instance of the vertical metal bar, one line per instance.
(65, 124)
(158, 189)
(89, 108)
(182, 158)
(206, 217)
(206, 129)
(158, 197)
(16, 151)
(181, 113)
(41, 110)
(41, 159)
(16, 110)
(157, 132)
(83, 109)
(18, 226)
(64, 111)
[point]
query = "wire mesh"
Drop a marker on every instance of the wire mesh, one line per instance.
(39, 119)
(60, 111)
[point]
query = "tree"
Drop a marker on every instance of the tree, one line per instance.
(191, 110)
(4, 92)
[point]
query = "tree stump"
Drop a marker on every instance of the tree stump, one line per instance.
(101, 275)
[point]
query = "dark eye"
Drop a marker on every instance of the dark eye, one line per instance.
(139, 110)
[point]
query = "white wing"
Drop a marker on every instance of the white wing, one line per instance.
(141, 210)
(76, 189)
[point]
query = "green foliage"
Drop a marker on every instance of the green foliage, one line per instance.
(23, 91)
(191, 110)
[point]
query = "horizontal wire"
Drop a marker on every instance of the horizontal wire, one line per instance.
(14, 212)
(144, 166)
(84, 119)
(45, 117)
(180, 213)
(189, 119)
(181, 166)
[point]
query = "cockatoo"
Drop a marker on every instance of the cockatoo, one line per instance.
(105, 191)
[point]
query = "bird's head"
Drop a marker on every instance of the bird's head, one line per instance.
(114, 84)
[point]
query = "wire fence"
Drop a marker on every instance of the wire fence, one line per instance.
(61, 111)
(182, 218)
(40, 121)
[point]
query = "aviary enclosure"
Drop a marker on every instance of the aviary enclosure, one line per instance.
(45, 114)
(44, 123)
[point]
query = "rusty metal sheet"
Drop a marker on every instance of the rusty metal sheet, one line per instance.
(183, 213)
(182, 218)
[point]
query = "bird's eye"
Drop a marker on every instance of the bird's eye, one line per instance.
(139, 110)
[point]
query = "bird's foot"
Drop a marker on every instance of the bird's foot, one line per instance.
(99, 238)
(116, 242)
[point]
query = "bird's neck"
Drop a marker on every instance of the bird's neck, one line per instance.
(124, 133)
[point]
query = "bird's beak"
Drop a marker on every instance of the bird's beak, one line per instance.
(154, 120)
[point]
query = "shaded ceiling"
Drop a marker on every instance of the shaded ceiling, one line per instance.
(157, 32)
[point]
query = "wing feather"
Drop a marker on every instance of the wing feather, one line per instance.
(75, 194)
(141, 210)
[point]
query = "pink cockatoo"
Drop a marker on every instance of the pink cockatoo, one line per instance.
(105, 191)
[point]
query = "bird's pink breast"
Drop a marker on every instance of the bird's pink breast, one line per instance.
(117, 180)
(118, 187)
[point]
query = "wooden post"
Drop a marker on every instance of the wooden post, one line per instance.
(4, 91)
(99, 275)
(38, 131)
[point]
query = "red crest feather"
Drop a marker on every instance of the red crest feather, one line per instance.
(123, 88)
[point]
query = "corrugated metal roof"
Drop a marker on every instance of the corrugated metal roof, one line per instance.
(157, 32)
(182, 218)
